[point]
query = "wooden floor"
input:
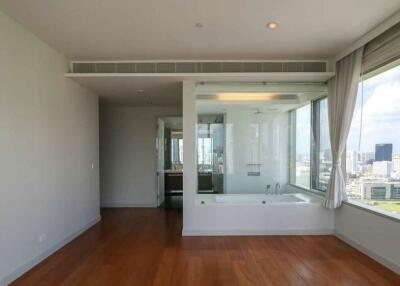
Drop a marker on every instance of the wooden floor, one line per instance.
(144, 247)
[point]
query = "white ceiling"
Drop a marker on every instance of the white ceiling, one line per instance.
(232, 29)
(264, 107)
(165, 29)
(164, 90)
(135, 91)
(277, 105)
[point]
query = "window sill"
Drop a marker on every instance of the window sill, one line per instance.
(356, 204)
(373, 210)
(313, 191)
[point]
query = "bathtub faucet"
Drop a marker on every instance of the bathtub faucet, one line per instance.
(267, 189)
(278, 189)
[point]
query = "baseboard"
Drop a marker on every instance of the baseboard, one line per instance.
(39, 258)
(241, 232)
(128, 205)
(387, 263)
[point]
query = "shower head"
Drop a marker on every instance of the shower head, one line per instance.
(257, 111)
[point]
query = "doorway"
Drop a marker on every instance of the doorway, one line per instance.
(170, 162)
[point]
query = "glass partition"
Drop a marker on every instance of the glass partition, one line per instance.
(210, 153)
(176, 148)
(242, 147)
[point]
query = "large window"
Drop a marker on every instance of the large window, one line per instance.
(310, 163)
(373, 145)
(321, 147)
(300, 168)
(372, 150)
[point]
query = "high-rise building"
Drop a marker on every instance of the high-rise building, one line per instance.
(396, 163)
(367, 157)
(351, 162)
(380, 190)
(382, 168)
(383, 152)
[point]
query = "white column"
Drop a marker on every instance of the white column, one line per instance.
(189, 151)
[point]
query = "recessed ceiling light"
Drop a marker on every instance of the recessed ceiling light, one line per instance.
(199, 25)
(140, 91)
(272, 25)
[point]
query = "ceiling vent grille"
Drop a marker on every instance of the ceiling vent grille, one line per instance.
(197, 67)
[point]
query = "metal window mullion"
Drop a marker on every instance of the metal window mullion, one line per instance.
(315, 143)
(311, 144)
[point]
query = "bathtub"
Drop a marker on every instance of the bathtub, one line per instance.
(294, 213)
(262, 199)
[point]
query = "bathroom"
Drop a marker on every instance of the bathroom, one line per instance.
(244, 141)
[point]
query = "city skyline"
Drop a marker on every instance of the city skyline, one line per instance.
(372, 155)
(380, 116)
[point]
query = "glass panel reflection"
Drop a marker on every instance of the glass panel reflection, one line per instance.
(242, 148)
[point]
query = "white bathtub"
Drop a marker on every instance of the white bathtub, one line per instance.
(259, 214)
(262, 199)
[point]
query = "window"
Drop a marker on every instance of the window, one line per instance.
(204, 147)
(177, 151)
(395, 192)
(300, 169)
(321, 147)
(373, 145)
(378, 193)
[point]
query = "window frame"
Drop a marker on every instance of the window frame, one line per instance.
(354, 202)
(292, 146)
(292, 139)
(315, 142)
(292, 134)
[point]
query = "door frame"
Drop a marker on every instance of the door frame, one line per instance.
(159, 172)
(160, 157)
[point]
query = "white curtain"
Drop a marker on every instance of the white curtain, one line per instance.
(342, 95)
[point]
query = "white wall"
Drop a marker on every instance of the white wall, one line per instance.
(189, 154)
(128, 154)
(271, 152)
(373, 234)
(49, 141)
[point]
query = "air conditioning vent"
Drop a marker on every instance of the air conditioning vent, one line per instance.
(197, 67)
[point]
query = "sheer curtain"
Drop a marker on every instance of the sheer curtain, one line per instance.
(342, 95)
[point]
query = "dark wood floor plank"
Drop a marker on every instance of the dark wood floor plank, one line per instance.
(145, 247)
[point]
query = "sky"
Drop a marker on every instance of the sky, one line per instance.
(378, 100)
(381, 113)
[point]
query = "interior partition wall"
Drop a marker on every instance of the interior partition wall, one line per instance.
(189, 151)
